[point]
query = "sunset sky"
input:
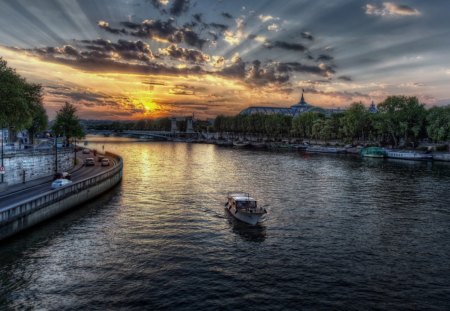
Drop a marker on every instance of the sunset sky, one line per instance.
(133, 59)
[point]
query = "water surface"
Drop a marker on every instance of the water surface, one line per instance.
(341, 232)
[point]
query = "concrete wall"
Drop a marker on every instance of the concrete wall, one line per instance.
(35, 164)
(23, 215)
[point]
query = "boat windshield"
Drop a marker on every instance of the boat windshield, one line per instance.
(246, 204)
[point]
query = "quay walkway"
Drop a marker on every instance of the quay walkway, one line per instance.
(24, 205)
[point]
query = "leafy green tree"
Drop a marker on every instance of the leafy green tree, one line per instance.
(402, 118)
(67, 123)
(302, 125)
(355, 123)
(16, 98)
(39, 119)
(438, 120)
(38, 124)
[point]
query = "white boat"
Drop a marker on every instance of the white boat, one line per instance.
(245, 208)
(408, 155)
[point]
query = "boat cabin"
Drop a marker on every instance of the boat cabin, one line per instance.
(241, 201)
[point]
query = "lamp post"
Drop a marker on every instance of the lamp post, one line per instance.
(2, 151)
(56, 152)
(75, 151)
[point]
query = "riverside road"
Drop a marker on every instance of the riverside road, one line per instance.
(30, 189)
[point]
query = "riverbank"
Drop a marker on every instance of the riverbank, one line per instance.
(25, 213)
(424, 153)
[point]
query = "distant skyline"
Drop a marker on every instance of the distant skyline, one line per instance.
(135, 59)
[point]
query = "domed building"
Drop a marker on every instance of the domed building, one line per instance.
(301, 107)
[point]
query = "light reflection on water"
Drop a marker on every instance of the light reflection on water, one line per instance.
(341, 232)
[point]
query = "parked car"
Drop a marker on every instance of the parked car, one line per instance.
(86, 151)
(105, 162)
(62, 175)
(62, 182)
(89, 162)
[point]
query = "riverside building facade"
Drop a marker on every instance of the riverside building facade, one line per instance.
(301, 107)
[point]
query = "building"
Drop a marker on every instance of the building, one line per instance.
(295, 110)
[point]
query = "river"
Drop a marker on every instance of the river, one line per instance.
(341, 233)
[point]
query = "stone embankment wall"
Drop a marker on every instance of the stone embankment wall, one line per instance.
(35, 164)
(25, 214)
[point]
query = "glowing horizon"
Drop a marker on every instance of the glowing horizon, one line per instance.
(150, 58)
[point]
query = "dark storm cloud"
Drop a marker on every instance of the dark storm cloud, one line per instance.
(165, 30)
(299, 67)
(324, 58)
(267, 74)
(127, 50)
(71, 51)
(74, 95)
(226, 15)
(179, 6)
(220, 27)
(198, 17)
(285, 45)
(345, 78)
(182, 54)
(307, 35)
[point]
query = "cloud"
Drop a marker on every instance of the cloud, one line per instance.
(220, 27)
(345, 78)
(390, 9)
(273, 27)
(265, 18)
(179, 6)
(344, 96)
(123, 49)
(322, 70)
(324, 58)
(105, 25)
(182, 54)
(238, 35)
(226, 15)
(285, 45)
(165, 31)
(307, 35)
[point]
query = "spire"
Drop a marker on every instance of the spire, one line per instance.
(302, 100)
(373, 108)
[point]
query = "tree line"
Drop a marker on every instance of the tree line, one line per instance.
(22, 108)
(20, 102)
(399, 120)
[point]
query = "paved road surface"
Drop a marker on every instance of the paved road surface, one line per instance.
(29, 190)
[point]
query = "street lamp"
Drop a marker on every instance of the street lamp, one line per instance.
(56, 153)
(2, 151)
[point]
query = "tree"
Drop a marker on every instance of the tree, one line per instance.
(39, 119)
(402, 118)
(355, 123)
(67, 123)
(14, 103)
(302, 125)
(438, 120)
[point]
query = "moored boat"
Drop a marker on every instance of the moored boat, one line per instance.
(320, 149)
(408, 155)
(243, 207)
(224, 143)
(373, 152)
(241, 144)
(258, 145)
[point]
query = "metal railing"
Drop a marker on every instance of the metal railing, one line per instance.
(30, 205)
